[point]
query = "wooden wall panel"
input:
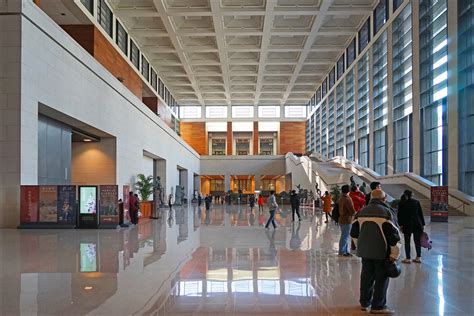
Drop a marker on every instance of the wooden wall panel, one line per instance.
(230, 145)
(83, 35)
(292, 137)
(111, 59)
(151, 103)
(194, 133)
(255, 138)
(92, 40)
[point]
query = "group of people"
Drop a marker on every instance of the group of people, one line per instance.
(134, 208)
(375, 229)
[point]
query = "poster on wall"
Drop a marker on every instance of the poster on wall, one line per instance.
(88, 200)
(48, 203)
(29, 203)
(67, 204)
(108, 210)
(88, 255)
(439, 204)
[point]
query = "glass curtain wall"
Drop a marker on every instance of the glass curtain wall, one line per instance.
(402, 89)
(466, 95)
(433, 89)
(324, 129)
(363, 110)
(331, 125)
(340, 120)
(380, 109)
(317, 128)
(350, 116)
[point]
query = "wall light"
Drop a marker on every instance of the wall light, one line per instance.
(87, 288)
(87, 140)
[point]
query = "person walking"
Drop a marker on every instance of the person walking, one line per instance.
(411, 221)
(295, 205)
(199, 199)
(346, 216)
(377, 238)
(272, 204)
(208, 201)
(170, 200)
(327, 204)
(358, 198)
(252, 201)
(260, 203)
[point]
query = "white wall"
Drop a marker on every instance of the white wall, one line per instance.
(147, 166)
(58, 73)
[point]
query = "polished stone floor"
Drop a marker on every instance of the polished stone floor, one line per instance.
(221, 262)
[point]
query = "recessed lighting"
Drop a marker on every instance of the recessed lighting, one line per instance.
(87, 139)
(87, 288)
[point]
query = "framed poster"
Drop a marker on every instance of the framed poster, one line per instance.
(108, 205)
(29, 203)
(88, 206)
(48, 203)
(439, 204)
(67, 204)
(88, 257)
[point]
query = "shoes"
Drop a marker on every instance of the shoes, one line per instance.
(299, 219)
(382, 311)
(417, 260)
(326, 221)
(406, 261)
(365, 308)
(347, 255)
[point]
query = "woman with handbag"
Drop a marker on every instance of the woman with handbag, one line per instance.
(412, 222)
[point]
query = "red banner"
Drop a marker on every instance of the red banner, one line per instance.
(29, 203)
(439, 204)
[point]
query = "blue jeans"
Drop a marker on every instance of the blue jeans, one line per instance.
(271, 219)
(344, 241)
(373, 284)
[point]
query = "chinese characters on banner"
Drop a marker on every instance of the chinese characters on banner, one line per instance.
(439, 204)
(67, 204)
(29, 204)
(108, 210)
(48, 203)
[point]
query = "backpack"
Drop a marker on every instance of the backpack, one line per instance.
(425, 241)
(335, 213)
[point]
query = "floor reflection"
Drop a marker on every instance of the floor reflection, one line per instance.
(193, 261)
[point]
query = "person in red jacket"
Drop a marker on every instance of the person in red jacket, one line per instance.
(358, 198)
(260, 203)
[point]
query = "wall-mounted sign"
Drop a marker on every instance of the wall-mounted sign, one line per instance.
(439, 204)
(67, 204)
(48, 203)
(29, 204)
(108, 210)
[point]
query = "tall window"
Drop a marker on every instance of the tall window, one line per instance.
(217, 185)
(402, 89)
(350, 116)
(89, 4)
(364, 35)
(324, 87)
(121, 37)
(331, 125)
(105, 17)
(340, 120)
(397, 4)
(466, 95)
(332, 78)
(153, 79)
(295, 111)
(380, 15)
(351, 52)
(380, 109)
(324, 129)
(216, 111)
(134, 54)
(340, 67)
(434, 89)
(145, 68)
(190, 112)
(318, 95)
(363, 109)
(317, 127)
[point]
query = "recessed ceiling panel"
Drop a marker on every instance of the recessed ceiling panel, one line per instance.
(293, 22)
(247, 22)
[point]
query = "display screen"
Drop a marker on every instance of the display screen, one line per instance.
(88, 202)
(88, 257)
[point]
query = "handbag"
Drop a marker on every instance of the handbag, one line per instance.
(392, 268)
(425, 241)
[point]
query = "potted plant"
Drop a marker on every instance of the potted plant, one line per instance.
(144, 186)
(336, 193)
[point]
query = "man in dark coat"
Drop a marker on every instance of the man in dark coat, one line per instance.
(295, 204)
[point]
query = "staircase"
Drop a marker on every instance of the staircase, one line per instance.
(339, 170)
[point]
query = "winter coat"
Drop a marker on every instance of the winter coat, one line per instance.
(410, 216)
(346, 210)
(294, 200)
(374, 232)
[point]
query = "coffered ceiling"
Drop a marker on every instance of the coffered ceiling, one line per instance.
(242, 52)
